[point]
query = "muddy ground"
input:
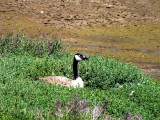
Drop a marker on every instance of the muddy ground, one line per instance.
(124, 29)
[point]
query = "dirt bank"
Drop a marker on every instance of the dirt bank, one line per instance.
(127, 30)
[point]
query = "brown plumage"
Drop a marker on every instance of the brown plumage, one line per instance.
(59, 80)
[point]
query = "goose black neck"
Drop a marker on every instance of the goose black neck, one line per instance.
(75, 68)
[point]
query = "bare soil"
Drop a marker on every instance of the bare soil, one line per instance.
(127, 29)
(78, 13)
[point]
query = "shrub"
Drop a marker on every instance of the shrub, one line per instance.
(105, 73)
(125, 87)
(19, 44)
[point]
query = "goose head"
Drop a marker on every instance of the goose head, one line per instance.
(79, 57)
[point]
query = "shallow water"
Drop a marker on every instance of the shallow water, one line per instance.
(118, 49)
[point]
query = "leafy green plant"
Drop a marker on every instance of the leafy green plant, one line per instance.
(103, 74)
(125, 87)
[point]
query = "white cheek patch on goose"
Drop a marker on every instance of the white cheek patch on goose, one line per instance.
(77, 58)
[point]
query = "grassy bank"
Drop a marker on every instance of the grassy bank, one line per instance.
(124, 86)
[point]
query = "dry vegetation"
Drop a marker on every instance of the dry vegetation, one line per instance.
(127, 30)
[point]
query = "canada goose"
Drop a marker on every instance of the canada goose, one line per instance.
(77, 82)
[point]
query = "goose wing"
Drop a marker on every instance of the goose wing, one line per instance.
(57, 80)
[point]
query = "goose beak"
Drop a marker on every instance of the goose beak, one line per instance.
(86, 58)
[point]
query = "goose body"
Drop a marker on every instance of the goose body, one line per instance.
(61, 80)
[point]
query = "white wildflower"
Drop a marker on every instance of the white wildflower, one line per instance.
(117, 84)
(138, 84)
(131, 93)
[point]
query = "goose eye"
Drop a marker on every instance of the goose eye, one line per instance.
(81, 56)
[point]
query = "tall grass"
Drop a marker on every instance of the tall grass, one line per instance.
(123, 85)
(19, 44)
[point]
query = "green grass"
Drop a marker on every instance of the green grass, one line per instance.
(24, 98)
